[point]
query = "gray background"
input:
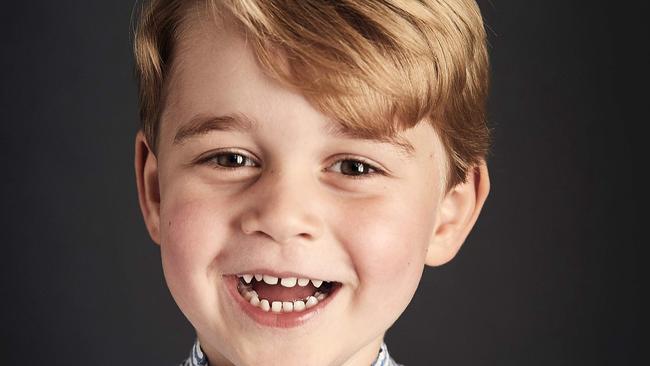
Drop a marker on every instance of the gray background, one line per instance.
(551, 275)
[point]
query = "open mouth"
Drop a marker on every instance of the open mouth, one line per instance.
(284, 295)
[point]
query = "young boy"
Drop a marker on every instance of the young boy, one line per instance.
(301, 161)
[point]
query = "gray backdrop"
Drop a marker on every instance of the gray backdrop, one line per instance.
(551, 275)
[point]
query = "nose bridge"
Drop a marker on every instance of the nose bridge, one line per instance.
(284, 206)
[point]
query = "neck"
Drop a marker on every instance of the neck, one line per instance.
(366, 355)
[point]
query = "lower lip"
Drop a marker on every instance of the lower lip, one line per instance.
(276, 320)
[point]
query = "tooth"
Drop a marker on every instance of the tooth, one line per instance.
(276, 306)
(249, 294)
(298, 305)
(287, 306)
(264, 305)
(270, 279)
(248, 278)
(255, 301)
(311, 301)
(317, 283)
(258, 277)
(302, 282)
(320, 297)
(288, 282)
(316, 294)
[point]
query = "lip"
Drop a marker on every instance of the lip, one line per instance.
(271, 319)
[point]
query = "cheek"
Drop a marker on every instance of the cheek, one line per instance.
(190, 241)
(388, 241)
(184, 233)
(192, 219)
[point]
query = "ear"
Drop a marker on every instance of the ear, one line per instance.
(146, 172)
(457, 214)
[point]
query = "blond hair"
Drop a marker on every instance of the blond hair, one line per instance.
(375, 66)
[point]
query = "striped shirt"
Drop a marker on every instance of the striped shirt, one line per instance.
(197, 357)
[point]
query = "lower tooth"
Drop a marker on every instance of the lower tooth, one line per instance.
(264, 305)
(276, 306)
(287, 306)
(282, 306)
(255, 301)
(298, 305)
(311, 301)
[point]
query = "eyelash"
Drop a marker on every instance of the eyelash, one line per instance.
(210, 160)
(372, 169)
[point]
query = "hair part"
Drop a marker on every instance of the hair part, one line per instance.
(377, 67)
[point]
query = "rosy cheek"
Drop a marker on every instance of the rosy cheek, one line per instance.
(388, 244)
(388, 250)
(188, 237)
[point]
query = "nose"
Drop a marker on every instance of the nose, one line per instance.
(283, 208)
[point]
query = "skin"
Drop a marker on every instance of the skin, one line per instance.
(290, 207)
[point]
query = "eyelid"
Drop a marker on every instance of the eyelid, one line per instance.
(206, 157)
(378, 170)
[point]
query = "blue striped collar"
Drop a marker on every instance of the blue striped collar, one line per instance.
(198, 358)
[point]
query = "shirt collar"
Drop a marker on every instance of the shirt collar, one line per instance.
(197, 357)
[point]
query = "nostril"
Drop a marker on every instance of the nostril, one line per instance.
(246, 230)
(249, 224)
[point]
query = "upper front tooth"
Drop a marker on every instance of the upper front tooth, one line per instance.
(248, 278)
(302, 282)
(288, 282)
(270, 279)
(317, 283)
(258, 277)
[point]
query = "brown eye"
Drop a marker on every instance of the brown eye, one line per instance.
(354, 167)
(230, 160)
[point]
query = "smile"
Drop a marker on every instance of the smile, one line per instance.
(281, 301)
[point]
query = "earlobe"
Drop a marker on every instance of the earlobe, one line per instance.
(457, 214)
(146, 172)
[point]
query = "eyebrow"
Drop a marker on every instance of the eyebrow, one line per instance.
(202, 124)
(337, 130)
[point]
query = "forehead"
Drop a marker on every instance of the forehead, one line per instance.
(213, 68)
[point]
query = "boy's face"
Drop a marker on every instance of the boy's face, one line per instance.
(280, 194)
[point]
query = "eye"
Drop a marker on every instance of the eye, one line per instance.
(229, 160)
(355, 168)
